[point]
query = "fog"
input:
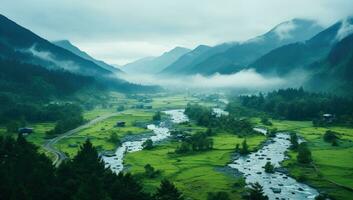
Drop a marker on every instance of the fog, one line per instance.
(246, 79)
(49, 57)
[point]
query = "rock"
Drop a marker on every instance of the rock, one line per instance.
(276, 190)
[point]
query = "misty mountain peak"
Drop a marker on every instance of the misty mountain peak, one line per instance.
(345, 29)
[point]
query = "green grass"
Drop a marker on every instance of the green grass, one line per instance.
(99, 133)
(333, 163)
(194, 174)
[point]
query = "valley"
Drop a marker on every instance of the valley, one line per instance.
(184, 100)
(198, 173)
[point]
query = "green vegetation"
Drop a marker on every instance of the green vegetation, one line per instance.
(203, 116)
(269, 168)
(157, 116)
(168, 191)
(297, 104)
(331, 168)
(150, 172)
(100, 132)
(304, 154)
(197, 142)
(148, 144)
(26, 174)
(195, 174)
(256, 192)
(218, 196)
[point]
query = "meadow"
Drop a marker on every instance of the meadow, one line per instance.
(195, 174)
(332, 172)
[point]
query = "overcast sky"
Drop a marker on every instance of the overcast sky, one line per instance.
(119, 31)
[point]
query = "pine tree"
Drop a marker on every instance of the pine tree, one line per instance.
(218, 196)
(168, 191)
(304, 154)
(245, 148)
(256, 192)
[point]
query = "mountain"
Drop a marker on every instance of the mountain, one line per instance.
(300, 55)
(185, 60)
(21, 45)
(334, 73)
(28, 47)
(232, 57)
(153, 65)
(65, 44)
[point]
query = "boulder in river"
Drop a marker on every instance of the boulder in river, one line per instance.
(276, 190)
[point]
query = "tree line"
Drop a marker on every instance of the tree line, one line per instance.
(27, 174)
(231, 123)
(297, 104)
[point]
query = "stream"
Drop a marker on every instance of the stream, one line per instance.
(160, 132)
(276, 185)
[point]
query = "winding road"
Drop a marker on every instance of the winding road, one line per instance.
(59, 155)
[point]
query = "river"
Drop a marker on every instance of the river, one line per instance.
(276, 185)
(160, 132)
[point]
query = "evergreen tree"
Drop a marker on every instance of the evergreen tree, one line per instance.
(148, 144)
(218, 196)
(294, 141)
(256, 192)
(304, 154)
(245, 148)
(167, 191)
(157, 116)
(269, 168)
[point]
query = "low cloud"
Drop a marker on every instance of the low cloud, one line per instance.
(283, 30)
(49, 57)
(345, 30)
(246, 79)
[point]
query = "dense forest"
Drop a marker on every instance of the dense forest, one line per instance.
(297, 104)
(26, 174)
(204, 116)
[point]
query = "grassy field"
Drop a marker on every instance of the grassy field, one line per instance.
(99, 133)
(194, 174)
(333, 164)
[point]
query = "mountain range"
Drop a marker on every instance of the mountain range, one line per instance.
(65, 44)
(153, 65)
(287, 58)
(232, 57)
(20, 46)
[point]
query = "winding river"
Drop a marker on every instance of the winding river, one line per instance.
(160, 132)
(276, 185)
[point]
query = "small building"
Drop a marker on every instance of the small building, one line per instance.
(148, 107)
(25, 130)
(120, 124)
(328, 117)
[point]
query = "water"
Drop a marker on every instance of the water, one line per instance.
(161, 132)
(219, 112)
(252, 168)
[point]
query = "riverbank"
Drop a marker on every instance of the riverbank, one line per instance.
(195, 174)
(334, 164)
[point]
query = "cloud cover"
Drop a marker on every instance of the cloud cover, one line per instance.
(119, 31)
(246, 79)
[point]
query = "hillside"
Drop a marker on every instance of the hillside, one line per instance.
(298, 56)
(21, 45)
(334, 73)
(153, 65)
(65, 44)
(232, 57)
